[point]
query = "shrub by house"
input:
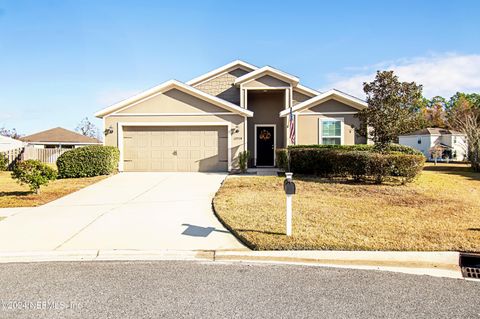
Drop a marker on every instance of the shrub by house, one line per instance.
(3, 162)
(33, 173)
(360, 162)
(88, 161)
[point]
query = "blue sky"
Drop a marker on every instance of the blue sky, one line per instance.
(63, 60)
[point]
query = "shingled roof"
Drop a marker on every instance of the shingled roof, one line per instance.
(433, 131)
(59, 135)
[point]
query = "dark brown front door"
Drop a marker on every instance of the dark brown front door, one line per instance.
(265, 136)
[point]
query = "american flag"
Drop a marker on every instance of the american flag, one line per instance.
(292, 127)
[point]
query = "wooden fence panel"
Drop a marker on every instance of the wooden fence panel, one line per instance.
(45, 155)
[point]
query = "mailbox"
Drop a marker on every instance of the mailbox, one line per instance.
(289, 186)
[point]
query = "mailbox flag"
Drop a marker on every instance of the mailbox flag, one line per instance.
(292, 127)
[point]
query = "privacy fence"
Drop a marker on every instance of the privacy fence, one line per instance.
(45, 155)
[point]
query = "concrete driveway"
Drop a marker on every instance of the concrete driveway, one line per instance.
(144, 211)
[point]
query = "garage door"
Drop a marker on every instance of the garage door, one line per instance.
(175, 149)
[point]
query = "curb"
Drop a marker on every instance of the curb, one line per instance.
(441, 260)
(439, 264)
(104, 255)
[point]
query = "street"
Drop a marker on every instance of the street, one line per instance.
(172, 289)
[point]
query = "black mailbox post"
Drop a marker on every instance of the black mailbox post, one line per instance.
(289, 187)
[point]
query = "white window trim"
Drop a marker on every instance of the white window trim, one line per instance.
(274, 143)
(120, 126)
(342, 129)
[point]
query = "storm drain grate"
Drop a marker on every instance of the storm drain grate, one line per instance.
(470, 264)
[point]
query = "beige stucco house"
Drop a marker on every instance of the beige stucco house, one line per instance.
(203, 124)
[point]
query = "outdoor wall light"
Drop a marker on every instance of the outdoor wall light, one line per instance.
(235, 130)
(108, 130)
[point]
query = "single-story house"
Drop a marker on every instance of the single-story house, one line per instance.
(454, 144)
(7, 143)
(59, 137)
(203, 124)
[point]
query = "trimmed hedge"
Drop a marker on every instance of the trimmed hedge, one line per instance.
(88, 161)
(360, 162)
(3, 162)
(281, 158)
(362, 147)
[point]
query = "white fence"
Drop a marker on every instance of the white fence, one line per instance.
(45, 155)
(13, 155)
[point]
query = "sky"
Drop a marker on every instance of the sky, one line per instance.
(61, 61)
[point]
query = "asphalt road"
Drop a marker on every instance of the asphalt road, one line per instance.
(214, 290)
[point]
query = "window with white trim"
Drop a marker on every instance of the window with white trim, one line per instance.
(331, 131)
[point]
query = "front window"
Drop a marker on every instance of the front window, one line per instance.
(331, 132)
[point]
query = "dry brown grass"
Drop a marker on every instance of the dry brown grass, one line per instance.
(14, 195)
(438, 211)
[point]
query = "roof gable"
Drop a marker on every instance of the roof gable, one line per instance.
(268, 70)
(323, 97)
(266, 81)
(237, 64)
(245, 66)
(433, 131)
(172, 101)
(166, 86)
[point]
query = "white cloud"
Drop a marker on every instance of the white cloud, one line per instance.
(439, 74)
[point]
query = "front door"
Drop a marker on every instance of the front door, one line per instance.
(265, 139)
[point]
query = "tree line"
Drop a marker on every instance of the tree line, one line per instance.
(396, 108)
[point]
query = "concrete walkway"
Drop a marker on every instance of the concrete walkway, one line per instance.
(137, 211)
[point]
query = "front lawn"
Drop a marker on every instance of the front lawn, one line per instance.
(439, 211)
(14, 195)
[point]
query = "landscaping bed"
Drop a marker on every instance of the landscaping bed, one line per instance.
(438, 211)
(14, 195)
(33, 183)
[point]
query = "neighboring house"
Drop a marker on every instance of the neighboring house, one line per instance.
(7, 143)
(454, 144)
(203, 124)
(59, 138)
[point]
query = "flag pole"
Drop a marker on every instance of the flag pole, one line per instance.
(291, 126)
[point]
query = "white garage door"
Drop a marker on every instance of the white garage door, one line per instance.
(175, 149)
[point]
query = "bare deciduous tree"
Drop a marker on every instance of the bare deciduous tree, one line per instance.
(10, 133)
(87, 128)
(464, 116)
